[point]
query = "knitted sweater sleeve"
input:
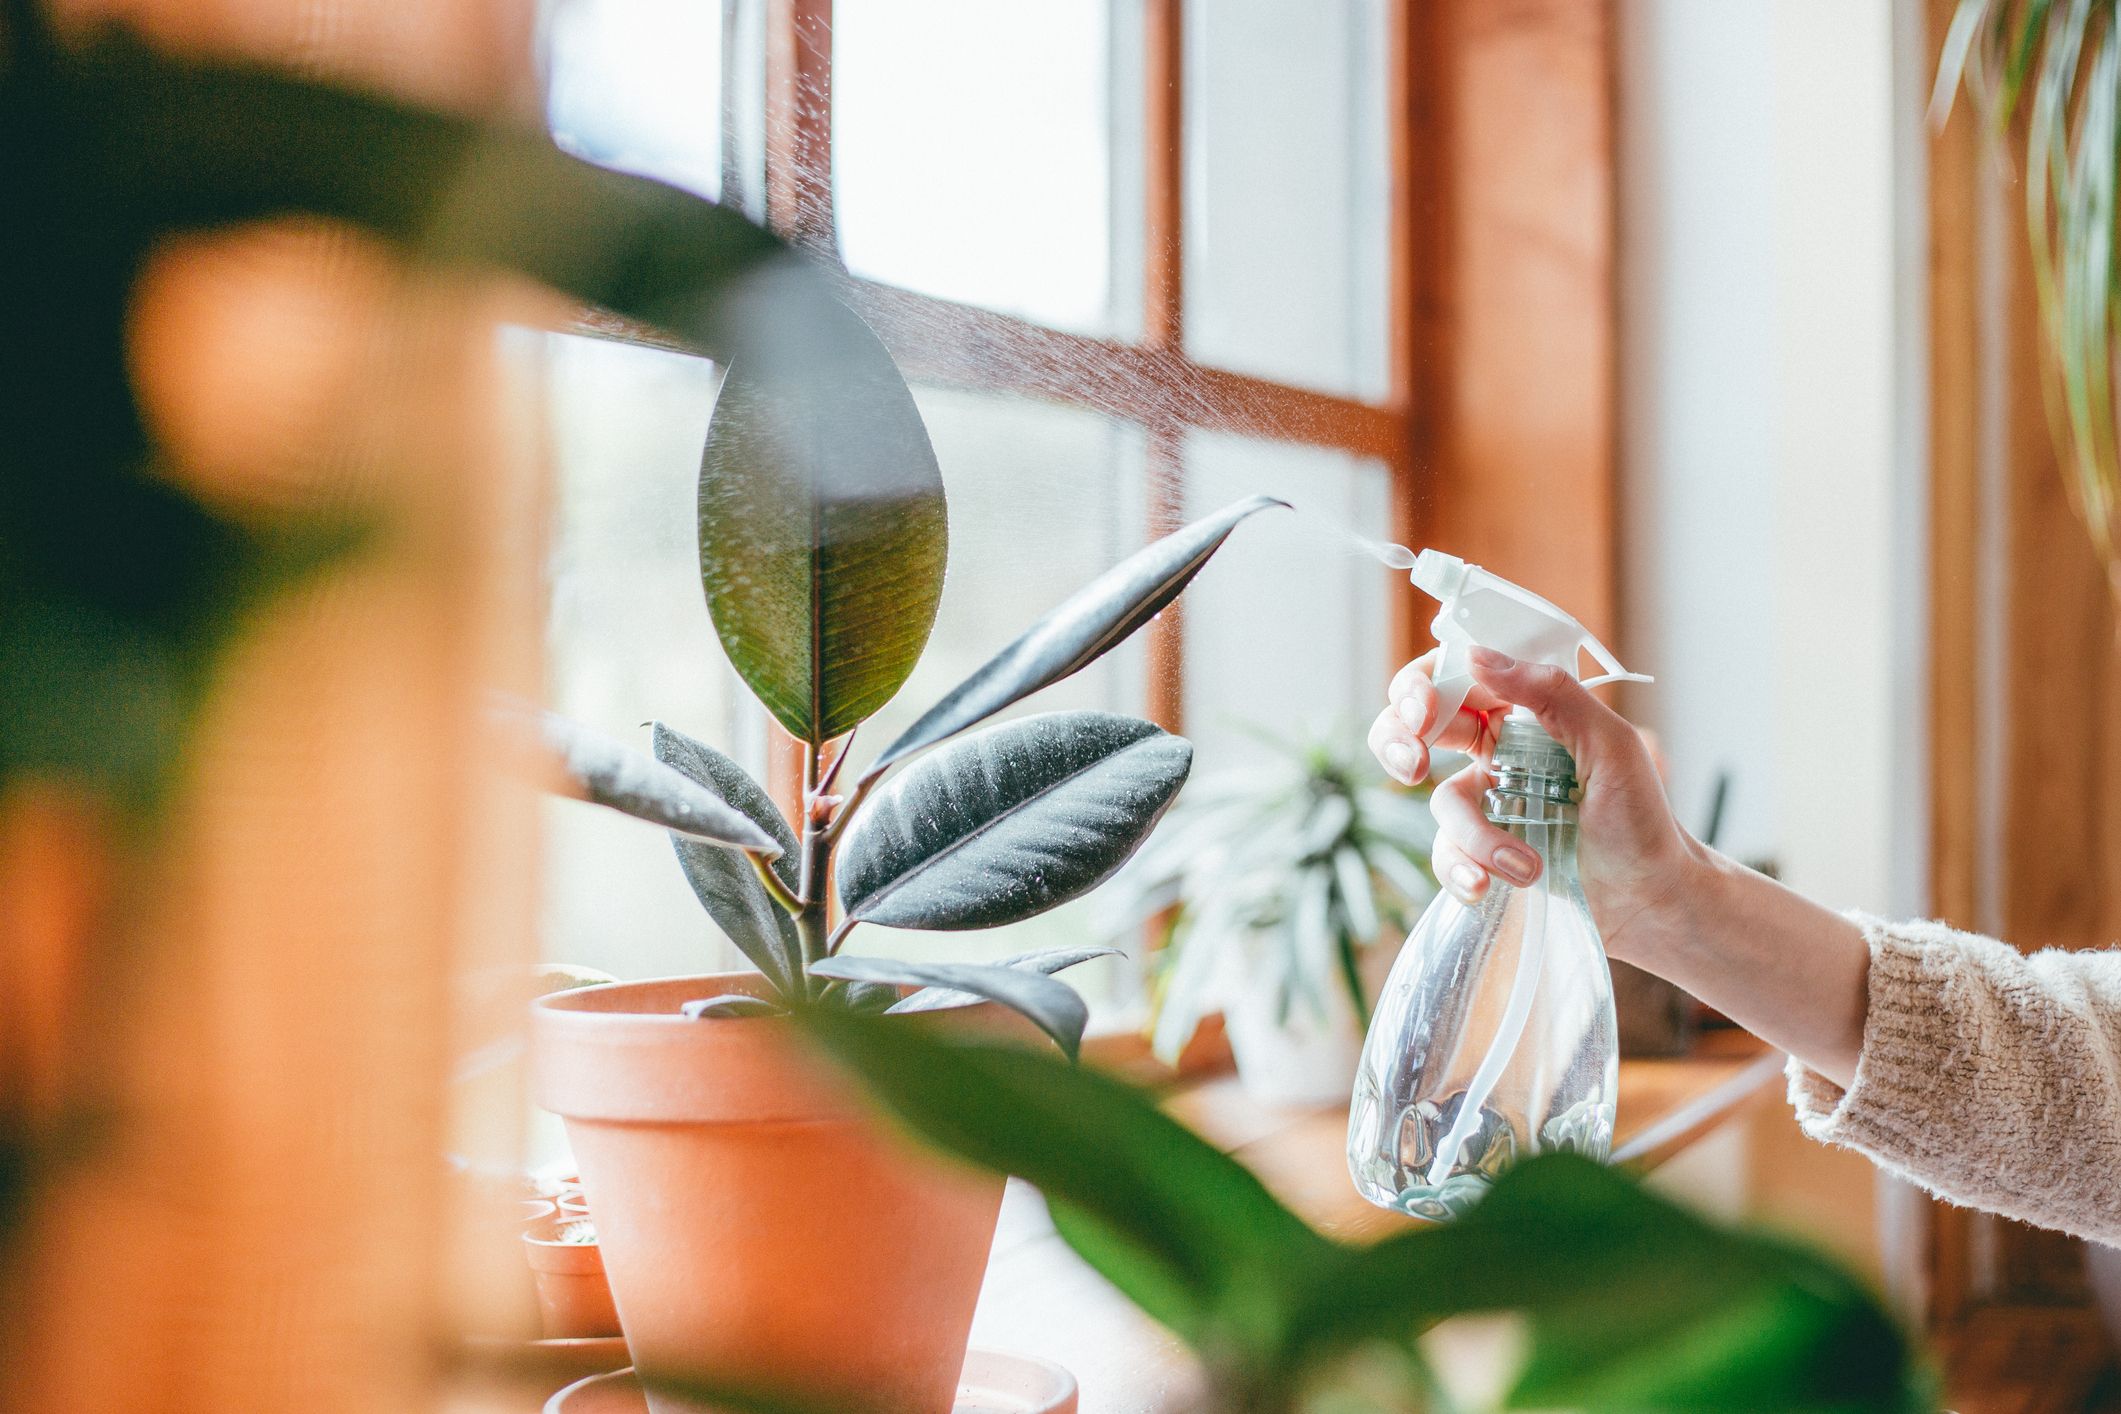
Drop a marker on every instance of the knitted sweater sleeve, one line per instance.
(1990, 1077)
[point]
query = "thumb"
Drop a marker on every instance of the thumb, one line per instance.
(1579, 721)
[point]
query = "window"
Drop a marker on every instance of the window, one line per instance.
(1119, 306)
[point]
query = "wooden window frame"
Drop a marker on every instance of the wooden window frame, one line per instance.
(1500, 293)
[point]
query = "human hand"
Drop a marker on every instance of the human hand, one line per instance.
(1636, 863)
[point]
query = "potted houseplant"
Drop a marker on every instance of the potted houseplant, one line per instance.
(1269, 889)
(754, 1221)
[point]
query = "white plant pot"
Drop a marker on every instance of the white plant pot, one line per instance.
(1309, 1062)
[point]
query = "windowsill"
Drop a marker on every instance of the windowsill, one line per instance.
(1041, 1299)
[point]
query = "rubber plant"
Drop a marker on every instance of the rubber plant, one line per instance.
(1313, 858)
(823, 541)
(2060, 62)
(1627, 1302)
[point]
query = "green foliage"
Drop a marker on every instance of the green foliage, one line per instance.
(2061, 63)
(1294, 868)
(1628, 1301)
(1009, 822)
(985, 830)
(1103, 613)
(823, 531)
(727, 884)
(1052, 1005)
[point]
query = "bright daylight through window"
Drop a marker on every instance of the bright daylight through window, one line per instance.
(1009, 187)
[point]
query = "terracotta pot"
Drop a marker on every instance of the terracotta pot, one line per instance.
(574, 1297)
(758, 1224)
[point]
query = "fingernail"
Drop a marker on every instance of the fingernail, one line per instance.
(1409, 712)
(1399, 760)
(1489, 658)
(1465, 882)
(1514, 865)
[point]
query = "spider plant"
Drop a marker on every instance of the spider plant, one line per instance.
(823, 540)
(2061, 63)
(1292, 869)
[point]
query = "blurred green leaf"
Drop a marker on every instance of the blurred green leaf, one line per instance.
(1053, 1006)
(1186, 1232)
(728, 885)
(1631, 1303)
(823, 529)
(1085, 626)
(1006, 823)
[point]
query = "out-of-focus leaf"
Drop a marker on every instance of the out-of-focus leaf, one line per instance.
(1632, 1302)
(1085, 625)
(823, 531)
(727, 885)
(1183, 1229)
(1010, 821)
(639, 785)
(1046, 960)
(1053, 1006)
(729, 1006)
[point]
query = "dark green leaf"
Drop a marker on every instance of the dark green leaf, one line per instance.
(647, 789)
(728, 886)
(823, 531)
(1045, 960)
(860, 996)
(1186, 1231)
(1010, 821)
(1054, 1007)
(730, 1005)
(1088, 623)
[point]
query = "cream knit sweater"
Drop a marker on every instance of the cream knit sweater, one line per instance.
(1989, 1077)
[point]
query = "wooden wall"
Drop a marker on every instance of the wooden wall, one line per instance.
(2026, 680)
(1511, 357)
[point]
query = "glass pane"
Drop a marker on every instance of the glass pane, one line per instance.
(1041, 500)
(636, 84)
(973, 148)
(1286, 629)
(1286, 191)
(628, 642)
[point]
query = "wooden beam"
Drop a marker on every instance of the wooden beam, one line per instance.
(1514, 328)
(799, 121)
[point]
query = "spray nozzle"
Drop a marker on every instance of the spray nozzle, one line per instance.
(1480, 609)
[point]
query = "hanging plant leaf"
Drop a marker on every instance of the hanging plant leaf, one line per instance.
(1089, 622)
(823, 531)
(1047, 961)
(616, 776)
(1052, 1006)
(727, 885)
(731, 1005)
(1010, 821)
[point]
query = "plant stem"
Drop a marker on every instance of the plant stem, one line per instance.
(811, 922)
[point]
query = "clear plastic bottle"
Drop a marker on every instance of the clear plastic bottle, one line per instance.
(1494, 1038)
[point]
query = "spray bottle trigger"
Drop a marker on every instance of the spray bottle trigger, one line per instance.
(1603, 678)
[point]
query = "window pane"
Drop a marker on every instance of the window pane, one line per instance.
(636, 84)
(1041, 500)
(973, 150)
(629, 641)
(1286, 191)
(1285, 630)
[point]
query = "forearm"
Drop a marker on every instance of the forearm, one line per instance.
(1789, 971)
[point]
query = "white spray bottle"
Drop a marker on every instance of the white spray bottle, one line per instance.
(1494, 1037)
